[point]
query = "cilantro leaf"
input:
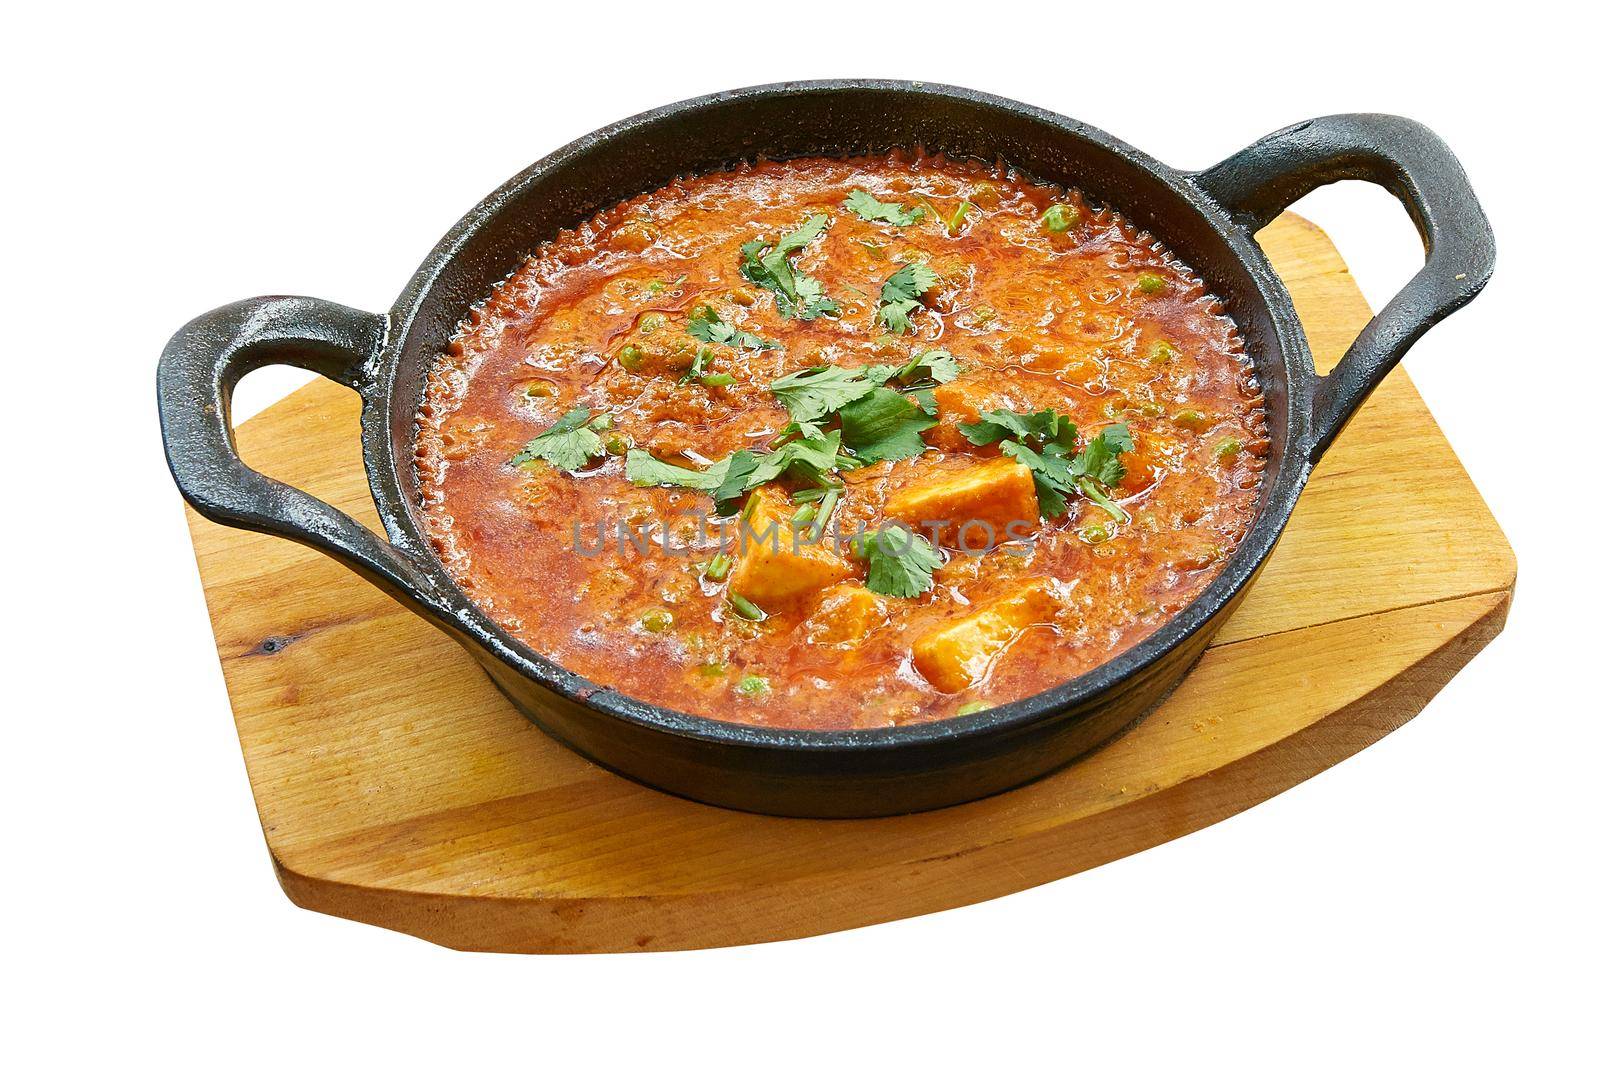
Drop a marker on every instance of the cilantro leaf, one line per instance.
(1099, 461)
(642, 468)
(884, 425)
(1052, 477)
(798, 295)
(817, 391)
(1043, 441)
(570, 443)
(899, 562)
(735, 480)
(901, 295)
(810, 458)
(1057, 473)
(871, 209)
(935, 365)
(1041, 427)
(810, 301)
(706, 325)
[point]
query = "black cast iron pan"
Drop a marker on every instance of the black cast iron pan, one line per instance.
(1207, 217)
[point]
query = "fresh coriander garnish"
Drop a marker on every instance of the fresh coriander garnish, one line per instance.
(899, 562)
(815, 392)
(1039, 428)
(706, 325)
(884, 425)
(933, 366)
(798, 295)
(1043, 442)
(871, 209)
(901, 295)
(641, 468)
(568, 444)
(812, 459)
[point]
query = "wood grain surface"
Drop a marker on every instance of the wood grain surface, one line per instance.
(397, 787)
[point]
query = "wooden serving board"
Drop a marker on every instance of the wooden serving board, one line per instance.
(397, 787)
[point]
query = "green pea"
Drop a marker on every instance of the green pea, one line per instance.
(1060, 217)
(631, 356)
(652, 322)
(1151, 284)
(714, 380)
(1192, 420)
(533, 389)
(972, 707)
(616, 445)
(1228, 448)
(753, 685)
(712, 669)
(1161, 352)
(1096, 534)
(656, 620)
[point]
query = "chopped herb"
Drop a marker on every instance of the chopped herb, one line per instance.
(931, 366)
(809, 458)
(706, 325)
(745, 608)
(884, 425)
(1042, 427)
(871, 209)
(717, 567)
(641, 468)
(568, 444)
(735, 480)
(798, 295)
(901, 295)
(817, 391)
(1043, 442)
(899, 562)
(953, 223)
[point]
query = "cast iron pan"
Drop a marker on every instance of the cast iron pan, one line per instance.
(1207, 217)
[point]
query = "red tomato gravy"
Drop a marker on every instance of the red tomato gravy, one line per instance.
(1043, 301)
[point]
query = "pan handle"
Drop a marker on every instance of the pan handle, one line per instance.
(194, 390)
(1256, 184)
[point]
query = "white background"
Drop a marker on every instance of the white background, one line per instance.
(1430, 900)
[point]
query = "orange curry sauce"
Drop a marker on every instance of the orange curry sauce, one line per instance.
(1043, 300)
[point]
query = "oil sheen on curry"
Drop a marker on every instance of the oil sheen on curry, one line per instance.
(842, 443)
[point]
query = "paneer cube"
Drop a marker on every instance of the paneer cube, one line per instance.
(980, 506)
(961, 401)
(776, 569)
(845, 613)
(954, 656)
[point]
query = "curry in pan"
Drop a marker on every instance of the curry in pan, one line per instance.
(842, 443)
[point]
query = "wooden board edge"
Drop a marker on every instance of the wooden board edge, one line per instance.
(903, 890)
